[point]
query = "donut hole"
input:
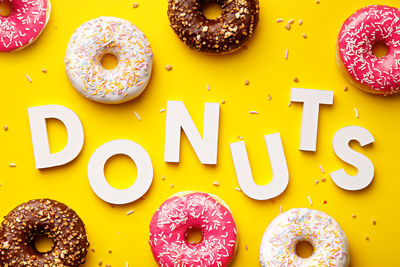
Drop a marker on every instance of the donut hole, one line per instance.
(43, 243)
(6, 7)
(109, 61)
(120, 171)
(211, 9)
(380, 50)
(193, 235)
(304, 249)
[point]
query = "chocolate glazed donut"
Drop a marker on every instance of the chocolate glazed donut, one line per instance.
(225, 34)
(42, 217)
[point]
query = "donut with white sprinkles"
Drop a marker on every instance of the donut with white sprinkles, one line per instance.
(42, 217)
(227, 33)
(187, 210)
(109, 35)
(358, 35)
(24, 24)
(278, 245)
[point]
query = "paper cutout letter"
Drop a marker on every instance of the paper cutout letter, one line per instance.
(342, 149)
(99, 183)
(309, 124)
(279, 167)
(178, 118)
(40, 141)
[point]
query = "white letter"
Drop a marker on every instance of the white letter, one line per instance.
(342, 149)
(279, 167)
(309, 123)
(178, 117)
(99, 183)
(41, 149)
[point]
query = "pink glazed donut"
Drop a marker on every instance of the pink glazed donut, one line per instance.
(187, 210)
(24, 24)
(357, 37)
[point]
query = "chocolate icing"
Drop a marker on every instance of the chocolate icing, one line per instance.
(225, 34)
(42, 217)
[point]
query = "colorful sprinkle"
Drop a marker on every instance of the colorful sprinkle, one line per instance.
(310, 201)
(356, 111)
(137, 116)
(322, 169)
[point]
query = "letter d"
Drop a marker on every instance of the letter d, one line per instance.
(41, 148)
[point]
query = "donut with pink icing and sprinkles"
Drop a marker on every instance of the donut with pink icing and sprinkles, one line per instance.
(278, 245)
(109, 35)
(358, 35)
(24, 24)
(187, 210)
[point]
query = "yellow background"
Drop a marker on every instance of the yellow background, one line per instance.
(312, 60)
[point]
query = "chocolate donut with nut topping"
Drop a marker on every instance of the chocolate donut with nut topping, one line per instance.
(42, 217)
(222, 35)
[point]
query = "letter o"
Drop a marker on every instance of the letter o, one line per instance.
(98, 180)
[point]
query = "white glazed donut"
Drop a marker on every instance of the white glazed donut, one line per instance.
(278, 246)
(109, 35)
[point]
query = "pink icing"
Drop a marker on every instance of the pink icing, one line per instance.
(359, 33)
(199, 210)
(24, 24)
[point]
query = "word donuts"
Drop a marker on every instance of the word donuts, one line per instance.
(24, 24)
(358, 36)
(279, 242)
(42, 217)
(225, 34)
(187, 210)
(109, 35)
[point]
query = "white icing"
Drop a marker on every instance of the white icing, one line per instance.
(109, 35)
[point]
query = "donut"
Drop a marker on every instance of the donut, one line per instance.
(24, 24)
(42, 217)
(109, 35)
(354, 50)
(330, 245)
(225, 34)
(193, 210)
